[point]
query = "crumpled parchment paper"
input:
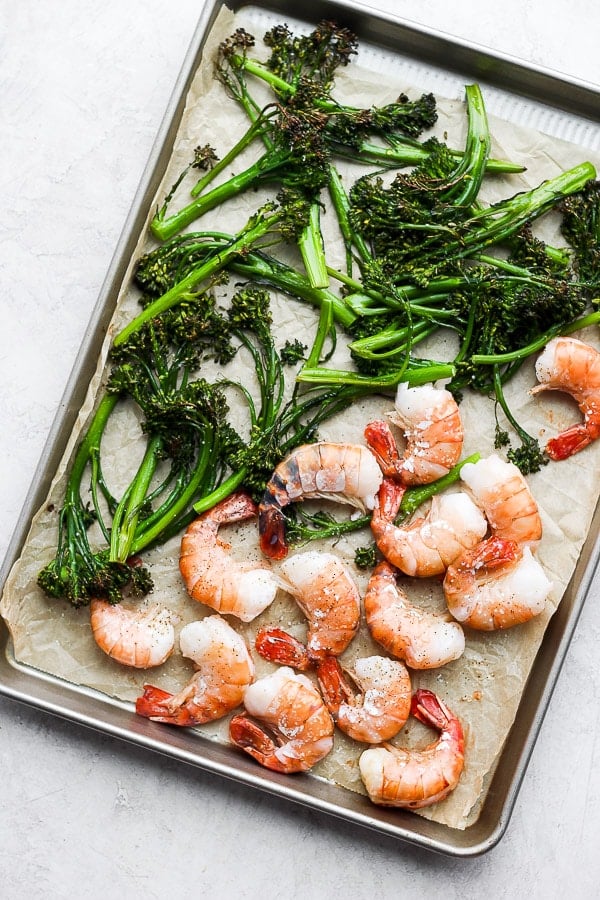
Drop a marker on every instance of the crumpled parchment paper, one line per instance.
(485, 686)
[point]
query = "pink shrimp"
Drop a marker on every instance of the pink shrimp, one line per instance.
(142, 637)
(347, 473)
(504, 495)
(413, 779)
(496, 585)
(380, 707)
(210, 574)
(286, 727)
(224, 668)
(572, 366)
(430, 420)
(329, 598)
(422, 639)
(430, 543)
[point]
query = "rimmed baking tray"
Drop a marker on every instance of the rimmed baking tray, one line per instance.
(562, 106)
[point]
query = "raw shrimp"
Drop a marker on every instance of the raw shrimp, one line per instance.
(503, 494)
(348, 473)
(413, 779)
(428, 544)
(382, 705)
(210, 574)
(143, 637)
(294, 729)
(572, 366)
(224, 668)
(497, 585)
(431, 424)
(422, 639)
(329, 598)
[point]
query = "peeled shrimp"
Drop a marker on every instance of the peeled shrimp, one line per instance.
(428, 544)
(329, 598)
(294, 729)
(413, 779)
(348, 473)
(497, 585)
(430, 420)
(142, 638)
(503, 494)
(422, 639)
(210, 574)
(572, 366)
(224, 668)
(380, 707)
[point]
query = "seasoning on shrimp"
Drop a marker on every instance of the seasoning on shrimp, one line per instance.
(424, 640)
(428, 544)
(328, 596)
(224, 668)
(504, 495)
(210, 573)
(430, 420)
(369, 702)
(413, 779)
(286, 727)
(142, 637)
(347, 473)
(496, 585)
(572, 366)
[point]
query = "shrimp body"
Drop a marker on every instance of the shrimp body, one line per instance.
(290, 729)
(422, 639)
(380, 707)
(141, 638)
(329, 598)
(428, 544)
(210, 574)
(572, 366)
(224, 668)
(497, 585)
(503, 493)
(413, 779)
(431, 424)
(348, 473)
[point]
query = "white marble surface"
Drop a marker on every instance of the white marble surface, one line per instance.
(84, 86)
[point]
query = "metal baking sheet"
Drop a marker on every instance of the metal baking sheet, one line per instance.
(543, 99)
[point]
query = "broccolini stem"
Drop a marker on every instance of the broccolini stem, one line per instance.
(256, 128)
(127, 513)
(222, 254)
(407, 152)
(146, 535)
(417, 495)
(165, 228)
(312, 249)
(471, 168)
(418, 372)
(523, 352)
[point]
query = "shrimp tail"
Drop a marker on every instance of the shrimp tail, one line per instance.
(277, 645)
(569, 442)
(389, 499)
(153, 705)
(430, 710)
(250, 737)
(271, 527)
(334, 689)
(380, 439)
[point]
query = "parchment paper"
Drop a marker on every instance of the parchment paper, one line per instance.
(485, 686)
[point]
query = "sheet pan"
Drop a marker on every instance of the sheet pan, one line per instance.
(541, 97)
